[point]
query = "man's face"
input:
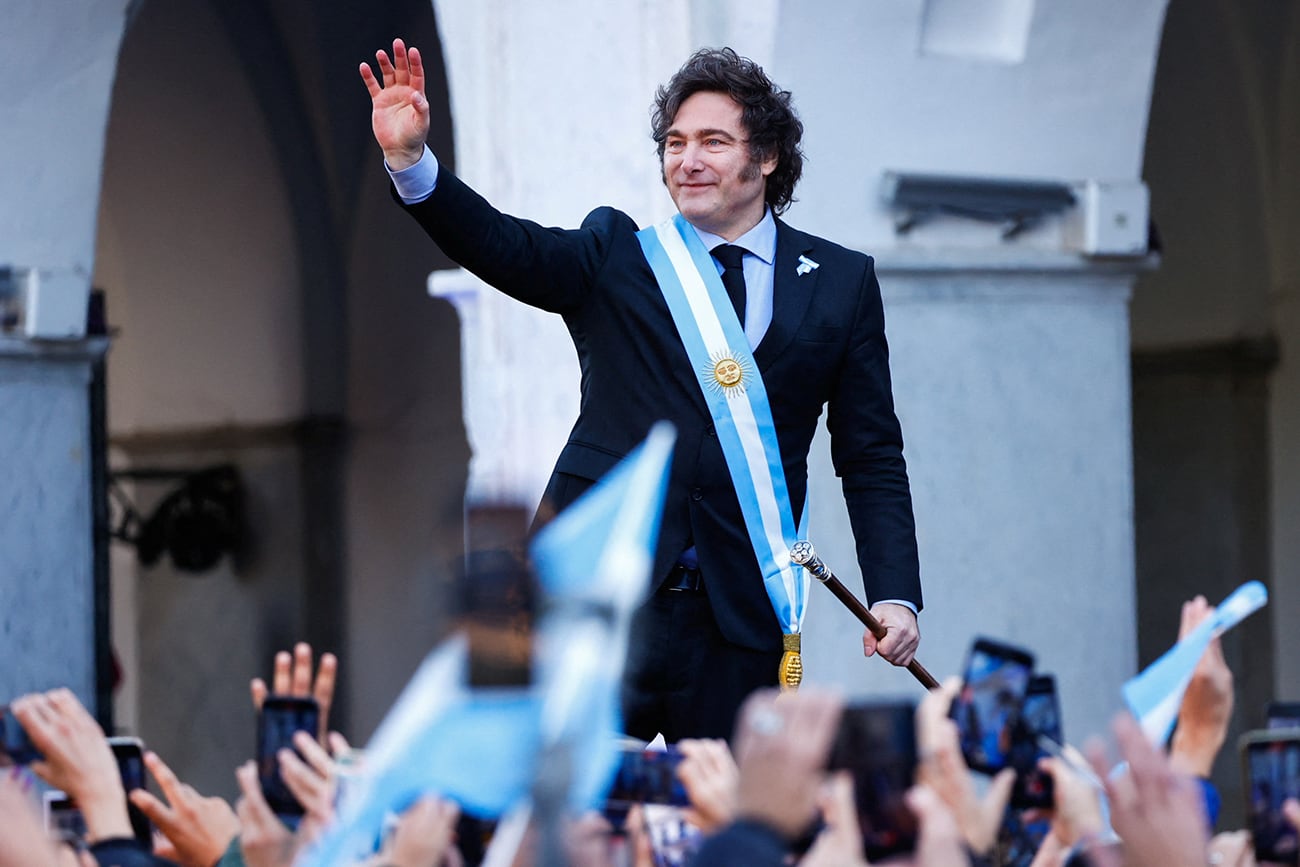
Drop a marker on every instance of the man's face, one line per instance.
(713, 180)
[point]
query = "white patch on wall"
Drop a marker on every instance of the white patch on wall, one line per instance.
(990, 30)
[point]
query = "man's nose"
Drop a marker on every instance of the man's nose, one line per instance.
(691, 157)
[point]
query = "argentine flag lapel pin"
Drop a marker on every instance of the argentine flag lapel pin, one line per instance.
(806, 266)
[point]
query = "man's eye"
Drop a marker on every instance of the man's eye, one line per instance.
(675, 146)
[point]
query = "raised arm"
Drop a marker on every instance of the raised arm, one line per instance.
(399, 108)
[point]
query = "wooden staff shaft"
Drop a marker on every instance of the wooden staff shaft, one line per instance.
(803, 555)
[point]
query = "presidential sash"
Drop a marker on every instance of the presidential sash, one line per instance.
(719, 353)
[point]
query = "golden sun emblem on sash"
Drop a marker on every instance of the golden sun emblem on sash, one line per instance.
(727, 373)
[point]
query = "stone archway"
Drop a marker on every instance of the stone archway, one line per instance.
(243, 203)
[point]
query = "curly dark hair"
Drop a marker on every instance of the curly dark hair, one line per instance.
(766, 110)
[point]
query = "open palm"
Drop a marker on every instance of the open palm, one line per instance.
(399, 107)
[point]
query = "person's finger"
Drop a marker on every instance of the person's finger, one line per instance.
(313, 791)
(931, 713)
(257, 691)
(281, 675)
(386, 68)
(371, 83)
(838, 809)
(1148, 771)
(401, 67)
(869, 643)
(66, 704)
(33, 715)
(417, 69)
(994, 805)
(339, 745)
(252, 807)
(314, 754)
(1291, 810)
(164, 848)
(323, 689)
(301, 683)
(157, 812)
(163, 776)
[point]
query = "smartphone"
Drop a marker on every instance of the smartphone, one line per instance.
(281, 717)
(15, 745)
(647, 777)
(876, 743)
(1283, 714)
(1040, 716)
(63, 821)
(129, 753)
(986, 710)
(1270, 761)
(673, 840)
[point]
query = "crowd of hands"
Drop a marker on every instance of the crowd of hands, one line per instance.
(776, 778)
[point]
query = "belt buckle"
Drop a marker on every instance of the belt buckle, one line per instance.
(684, 580)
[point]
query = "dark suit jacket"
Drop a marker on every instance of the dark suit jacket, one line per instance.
(825, 346)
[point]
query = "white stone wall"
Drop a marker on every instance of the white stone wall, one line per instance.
(57, 59)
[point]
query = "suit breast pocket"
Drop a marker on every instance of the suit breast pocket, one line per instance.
(819, 334)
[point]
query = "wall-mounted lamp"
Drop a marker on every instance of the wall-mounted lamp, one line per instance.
(195, 524)
(1015, 204)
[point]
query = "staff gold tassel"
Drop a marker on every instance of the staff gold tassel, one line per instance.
(790, 672)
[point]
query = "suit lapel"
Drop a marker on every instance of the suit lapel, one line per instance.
(791, 294)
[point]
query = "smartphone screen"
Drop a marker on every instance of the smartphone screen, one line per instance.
(988, 707)
(129, 753)
(1283, 714)
(281, 717)
(14, 743)
(63, 821)
(647, 777)
(876, 743)
(1271, 761)
(1040, 715)
(673, 840)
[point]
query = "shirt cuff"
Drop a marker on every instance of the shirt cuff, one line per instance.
(416, 183)
(902, 602)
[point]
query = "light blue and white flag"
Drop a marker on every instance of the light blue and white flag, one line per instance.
(477, 748)
(594, 563)
(1155, 695)
(480, 748)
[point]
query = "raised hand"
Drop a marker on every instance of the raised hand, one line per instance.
(23, 843)
(424, 836)
(710, 777)
(293, 676)
(1155, 809)
(781, 750)
(399, 108)
(839, 844)
(1206, 710)
(944, 771)
(78, 759)
(198, 829)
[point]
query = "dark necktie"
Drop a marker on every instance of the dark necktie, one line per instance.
(733, 276)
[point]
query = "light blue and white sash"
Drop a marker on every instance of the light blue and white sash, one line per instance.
(715, 341)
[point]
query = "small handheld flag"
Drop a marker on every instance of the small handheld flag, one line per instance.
(1155, 695)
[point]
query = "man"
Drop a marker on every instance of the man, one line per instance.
(647, 339)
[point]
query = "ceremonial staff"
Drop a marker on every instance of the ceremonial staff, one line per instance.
(802, 554)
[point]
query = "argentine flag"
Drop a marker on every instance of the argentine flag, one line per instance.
(1156, 694)
(481, 748)
(594, 561)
